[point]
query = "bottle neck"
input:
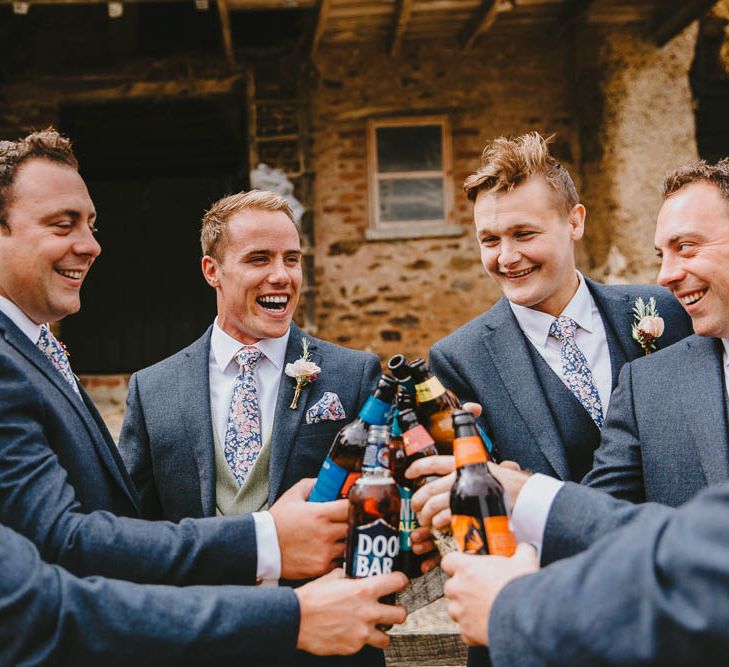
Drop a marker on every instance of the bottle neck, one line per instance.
(429, 389)
(469, 450)
(375, 411)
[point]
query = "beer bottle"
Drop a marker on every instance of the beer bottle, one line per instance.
(417, 442)
(479, 520)
(342, 466)
(374, 514)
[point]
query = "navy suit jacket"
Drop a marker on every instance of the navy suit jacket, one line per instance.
(664, 440)
(490, 361)
(167, 435)
(50, 617)
(655, 592)
(63, 485)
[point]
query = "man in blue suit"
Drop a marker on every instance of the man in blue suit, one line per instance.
(48, 616)
(62, 482)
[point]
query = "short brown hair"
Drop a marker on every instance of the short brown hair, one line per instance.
(509, 162)
(45, 145)
(698, 171)
(215, 221)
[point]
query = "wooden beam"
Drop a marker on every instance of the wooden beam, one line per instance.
(669, 21)
(402, 19)
(322, 15)
(575, 11)
(224, 14)
(481, 20)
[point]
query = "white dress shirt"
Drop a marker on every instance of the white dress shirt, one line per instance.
(20, 319)
(223, 370)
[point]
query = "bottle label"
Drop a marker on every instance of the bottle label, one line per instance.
(469, 450)
(328, 483)
(416, 439)
(375, 411)
(499, 536)
(376, 548)
(428, 390)
(468, 534)
(486, 441)
(408, 522)
(349, 481)
(377, 457)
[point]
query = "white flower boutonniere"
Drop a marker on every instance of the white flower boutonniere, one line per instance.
(648, 325)
(303, 370)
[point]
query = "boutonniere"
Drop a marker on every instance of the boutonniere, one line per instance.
(303, 370)
(648, 325)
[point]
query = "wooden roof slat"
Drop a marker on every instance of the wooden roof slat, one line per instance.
(402, 19)
(670, 20)
(481, 20)
(575, 11)
(224, 14)
(322, 14)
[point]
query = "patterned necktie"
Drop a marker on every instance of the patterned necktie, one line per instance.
(50, 346)
(243, 433)
(577, 374)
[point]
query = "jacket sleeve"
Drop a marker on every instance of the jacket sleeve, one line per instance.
(37, 501)
(653, 592)
(48, 616)
(137, 454)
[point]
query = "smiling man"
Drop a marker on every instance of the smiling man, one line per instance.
(210, 431)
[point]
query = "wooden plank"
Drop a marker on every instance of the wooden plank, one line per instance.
(402, 19)
(224, 14)
(322, 15)
(575, 11)
(670, 20)
(481, 20)
(425, 649)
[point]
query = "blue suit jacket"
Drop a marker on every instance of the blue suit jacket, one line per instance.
(64, 486)
(167, 435)
(48, 616)
(489, 361)
(664, 440)
(655, 592)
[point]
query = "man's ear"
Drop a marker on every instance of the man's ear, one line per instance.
(210, 271)
(576, 220)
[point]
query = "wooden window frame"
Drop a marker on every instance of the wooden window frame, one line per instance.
(411, 228)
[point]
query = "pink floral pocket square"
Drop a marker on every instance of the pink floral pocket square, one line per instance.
(327, 408)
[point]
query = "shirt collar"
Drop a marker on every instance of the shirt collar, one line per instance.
(20, 319)
(225, 347)
(536, 324)
(725, 343)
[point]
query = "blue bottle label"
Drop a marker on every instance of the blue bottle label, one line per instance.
(329, 482)
(408, 522)
(376, 548)
(486, 440)
(375, 411)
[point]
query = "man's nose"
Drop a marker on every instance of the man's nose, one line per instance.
(670, 272)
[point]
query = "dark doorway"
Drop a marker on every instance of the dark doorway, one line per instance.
(152, 168)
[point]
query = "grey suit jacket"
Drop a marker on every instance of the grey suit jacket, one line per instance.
(49, 617)
(664, 440)
(167, 436)
(655, 592)
(64, 487)
(489, 361)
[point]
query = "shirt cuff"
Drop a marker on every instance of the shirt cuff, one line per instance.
(531, 509)
(268, 566)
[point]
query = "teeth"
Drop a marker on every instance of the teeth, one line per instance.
(75, 275)
(274, 299)
(519, 274)
(692, 298)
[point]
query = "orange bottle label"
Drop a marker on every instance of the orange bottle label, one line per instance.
(469, 450)
(499, 536)
(349, 482)
(415, 439)
(428, 390)
(467, 533)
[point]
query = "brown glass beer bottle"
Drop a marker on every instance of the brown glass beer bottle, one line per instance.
(479, 522)
(417, 442)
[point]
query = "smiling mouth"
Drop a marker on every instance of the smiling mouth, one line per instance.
(692, 298)
(519, 274)
(68, 273)
(274, 304)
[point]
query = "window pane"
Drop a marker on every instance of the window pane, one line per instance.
(411, 199)
(415, 148)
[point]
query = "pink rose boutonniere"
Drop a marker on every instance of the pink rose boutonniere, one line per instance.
(648, 325)
(303, 370)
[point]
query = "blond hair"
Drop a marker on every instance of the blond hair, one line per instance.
(509, 162)
(216, 218)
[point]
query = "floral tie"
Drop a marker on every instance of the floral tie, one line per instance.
(50, 346)
(243, 433)
(577, 374)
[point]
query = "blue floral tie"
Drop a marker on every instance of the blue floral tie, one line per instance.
(577, 374)
(243, 433)
(50, 346)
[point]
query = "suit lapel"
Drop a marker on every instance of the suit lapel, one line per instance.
(703, 388)
(617, 316)
(286, 421)
(99, 434)
(193, 405)
(507, 347)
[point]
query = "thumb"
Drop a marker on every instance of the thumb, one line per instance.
(302, 488)
(526, 553)
(384, 584)
(474, 408)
